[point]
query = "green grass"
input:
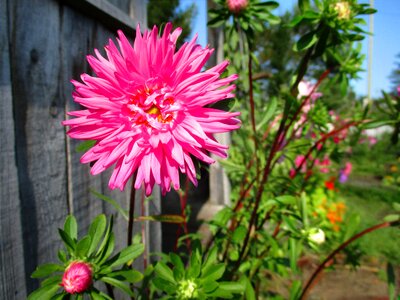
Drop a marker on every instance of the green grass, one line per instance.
(365, 195)
(373, 202)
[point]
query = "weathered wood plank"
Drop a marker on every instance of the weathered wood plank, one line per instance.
(105, 12)
(12, 271)
(73, 53)
(40, 138)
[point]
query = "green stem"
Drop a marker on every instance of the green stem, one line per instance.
(131, 212)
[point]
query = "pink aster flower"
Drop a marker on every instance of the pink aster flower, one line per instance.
(147, 109)
(236, 6)
(77, 277)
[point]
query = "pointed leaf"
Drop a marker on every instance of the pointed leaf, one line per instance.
(71, 227)
(82, 247)
(96, 231)
(215, 272)
(69, 243)
(118, 284)
(305, 42)
(44, 292)
(164, 272)
(46, 269)
(129, 253)
(131, 276)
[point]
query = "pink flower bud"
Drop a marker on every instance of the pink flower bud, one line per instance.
(236, 6)
(77, 277)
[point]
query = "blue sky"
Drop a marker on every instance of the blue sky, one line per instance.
(386, 40)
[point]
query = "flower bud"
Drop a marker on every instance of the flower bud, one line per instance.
(343, 9)
(316, 235)
(77, 277)
(236, 6)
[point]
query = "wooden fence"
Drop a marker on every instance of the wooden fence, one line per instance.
(43, 44)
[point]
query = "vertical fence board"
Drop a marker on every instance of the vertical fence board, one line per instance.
(12, 272)
(40, 139)
(76, 42)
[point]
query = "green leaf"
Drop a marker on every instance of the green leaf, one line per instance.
(295, 290)
(179, 268)
(239, 234)
(286, 199)
(97, 295)
(69, 243)
(107, 250)
(44, 292)
(46, 269)
(195, 262)
(164, 272)
(111, 201)
(176, 219)
(233, 287)
(391, 280)
(396, 206)
(106, 237)
(304, 4)
(210, 260)
(85, 146)
(209, 286)
(83, 246)
(267, 4)
(249, 290)
(96, 231)
(131, 276)
(305, 42)
(71, 227)
(310, 15)
(118, 284)
(129, 253)
(269, 113)
(59, 296)
(214, 273)
(375, 124)
(391, 218)
(62, 256)
(164, 285)
(296, 20)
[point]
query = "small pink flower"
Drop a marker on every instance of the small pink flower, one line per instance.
(236, 6)
(148, 109)
(347, 168)
(398, 90)
(77, 277)
(323, 165)
(345, 172)
(372, 140)
(305, 89)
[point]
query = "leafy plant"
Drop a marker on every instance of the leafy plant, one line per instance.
(94, 249)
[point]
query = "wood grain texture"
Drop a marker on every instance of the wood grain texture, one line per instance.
(12, 271)
(40, 142)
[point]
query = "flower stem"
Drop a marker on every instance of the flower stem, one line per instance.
(320, 268)
(131, 212)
